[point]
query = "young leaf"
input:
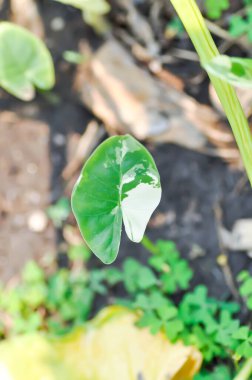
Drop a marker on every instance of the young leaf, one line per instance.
(92, 11)
(236, 71)
(25, 62)
(240, 26)
(215, 8)
(119, 182)
(244, 336)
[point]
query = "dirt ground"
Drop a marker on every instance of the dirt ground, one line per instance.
(194, 185)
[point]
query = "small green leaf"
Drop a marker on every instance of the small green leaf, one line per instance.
(234, 70)
(219, 373)
(119, 182)
(59, 212)
(215, 8)
(137, 277)
(32, 273)
(73, 57)
(240, 26)
(244, 336)
(25, 62)
(79, 252)
(92, 11)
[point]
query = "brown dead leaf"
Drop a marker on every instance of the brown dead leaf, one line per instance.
(129, 100)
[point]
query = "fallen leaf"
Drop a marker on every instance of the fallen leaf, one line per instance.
(110, 347)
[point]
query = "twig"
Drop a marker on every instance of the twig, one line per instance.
(147, 243)
(222, 33)
(87, 142)
(223, 257)
(182, 54)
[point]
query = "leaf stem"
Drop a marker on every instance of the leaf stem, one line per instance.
(147, 244)
(190, 15)
(246, 371)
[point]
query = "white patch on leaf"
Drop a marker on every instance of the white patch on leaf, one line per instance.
(137, 209)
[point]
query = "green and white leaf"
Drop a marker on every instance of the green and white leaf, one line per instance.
(119, 182)
(234, 70)
(25, 62)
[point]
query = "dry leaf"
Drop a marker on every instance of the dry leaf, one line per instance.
(128, 99)
(110, 347)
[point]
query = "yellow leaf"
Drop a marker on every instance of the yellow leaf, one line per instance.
(110, 347)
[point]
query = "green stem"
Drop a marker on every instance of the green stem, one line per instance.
(246, 371)
(193, 21)
(147, 243)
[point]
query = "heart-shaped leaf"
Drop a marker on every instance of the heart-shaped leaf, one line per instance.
(25, 62)
(119, 182)
(234, 70)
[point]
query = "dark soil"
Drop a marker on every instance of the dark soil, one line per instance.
(193, 184)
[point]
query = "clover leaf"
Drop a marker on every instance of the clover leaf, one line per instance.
(175, 272)
(220, 372)
(163, 316)
(196, 308)
(137, 276)
(215, 8)
(246, 287)
(244, 336)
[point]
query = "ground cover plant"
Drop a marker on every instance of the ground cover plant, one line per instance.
(159, 291)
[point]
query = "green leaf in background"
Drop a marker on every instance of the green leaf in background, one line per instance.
(119, 182)
(59, 212)
(220, 372)
(246, 287)
(240, 26)
(92, 11)
(244, 336)
(236, 71)
(215, 8)
(25, 62)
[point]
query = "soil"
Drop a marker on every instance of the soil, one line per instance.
(193, 184)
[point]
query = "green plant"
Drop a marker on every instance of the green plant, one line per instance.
(219, 373)
(119, 183)
(246, 287)
(214, 9)
(59, 301)
(25, 62)
(92, 11)
(234, 70)
(59, 212)
(174, 28)
(200, 36)
(240, 26)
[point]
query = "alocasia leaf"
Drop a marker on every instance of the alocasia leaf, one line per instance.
(25, 62)
(119, 182)
(236, 71)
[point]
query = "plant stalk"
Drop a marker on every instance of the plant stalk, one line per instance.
(190, 15)
(245, 372)
(147, 243)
